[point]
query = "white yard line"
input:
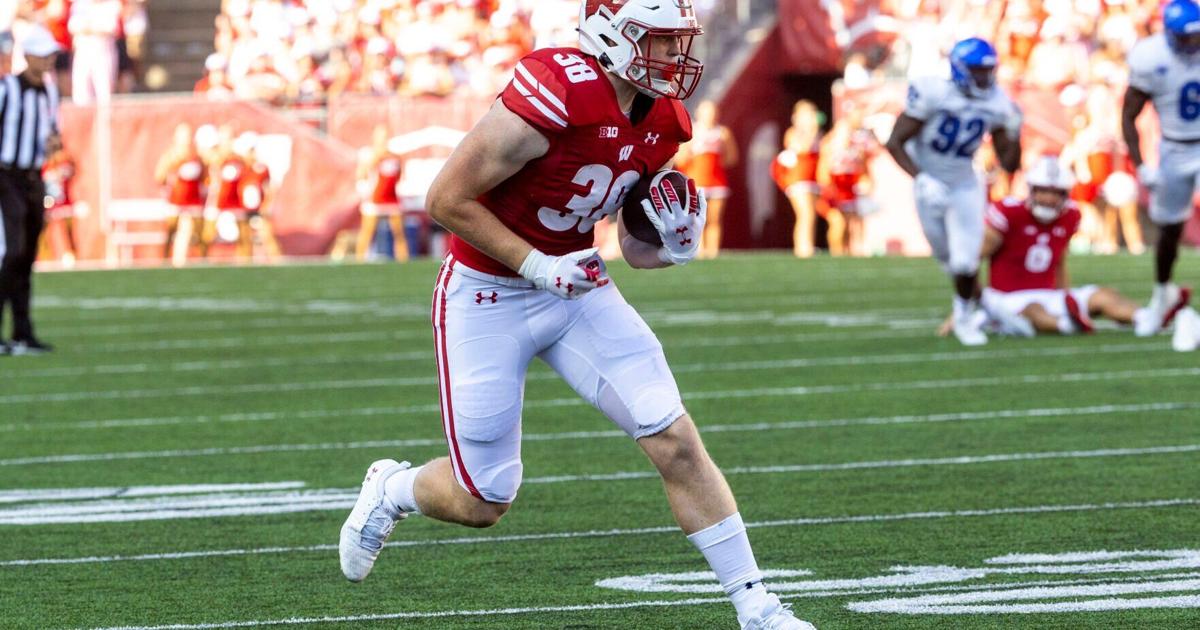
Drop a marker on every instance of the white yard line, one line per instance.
(640, 531)
(703, 367)
(664, 320)
(112, 492)
(373, 383)
(891, 463)
(1063, 588)
(234, 324)
(691, 341)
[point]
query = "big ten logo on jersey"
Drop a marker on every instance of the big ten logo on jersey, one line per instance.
(577, 69)
(605, 193)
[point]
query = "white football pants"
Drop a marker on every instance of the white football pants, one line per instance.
(955, 229)
(488, 328)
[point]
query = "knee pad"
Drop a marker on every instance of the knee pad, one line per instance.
(498, 482)
(486, 398)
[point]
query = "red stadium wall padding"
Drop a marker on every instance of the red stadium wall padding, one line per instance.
(353, 117)
(817, 35)
(756, 109)
(314, 200)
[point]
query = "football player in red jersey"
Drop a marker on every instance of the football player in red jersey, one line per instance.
(570, 134)
(1025, 242)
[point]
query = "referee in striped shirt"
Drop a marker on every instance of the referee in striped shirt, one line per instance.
(28, 133)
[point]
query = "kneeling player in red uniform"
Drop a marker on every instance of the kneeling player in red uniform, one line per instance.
(1026, 241)
(573, 132)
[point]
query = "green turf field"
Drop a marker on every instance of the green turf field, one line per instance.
(187, 458)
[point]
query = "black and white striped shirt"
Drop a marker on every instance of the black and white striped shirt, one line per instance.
(28, 117)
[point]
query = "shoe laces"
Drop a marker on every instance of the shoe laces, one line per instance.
(778, 618)
(378, 527)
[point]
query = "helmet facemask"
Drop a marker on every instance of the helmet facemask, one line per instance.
(673, 78)
(1041, 206)
(623, 43)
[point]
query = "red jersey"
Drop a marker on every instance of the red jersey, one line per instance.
(596, 154)
(384, 177)
(228, 179)
(185, 181)
(791, 167)
(57, 173)
(705, 166)
(253, 187)
(1031, 252)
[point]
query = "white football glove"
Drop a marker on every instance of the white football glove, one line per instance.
(1147, 175)
(679, 222)
(569, 276)
(931, 190)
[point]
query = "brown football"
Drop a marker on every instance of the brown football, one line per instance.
(636, 222)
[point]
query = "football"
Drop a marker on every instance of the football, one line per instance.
(632, 214)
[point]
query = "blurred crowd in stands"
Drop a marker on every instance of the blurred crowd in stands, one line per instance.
(103, 40)
(303, 51)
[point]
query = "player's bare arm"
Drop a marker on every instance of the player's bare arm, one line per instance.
(495, 149)
(905, 129)
(1008, 149)
(1131, 107)
(1062, 279)
(992, 240)
(639, 254)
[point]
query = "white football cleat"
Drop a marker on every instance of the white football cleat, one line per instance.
(969, 328)
(776, 616)
(1163, 308)
(370, 522)
(1013, 324)
(1187, 330)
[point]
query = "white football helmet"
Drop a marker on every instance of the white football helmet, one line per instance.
(615, 32)
(1049, 173)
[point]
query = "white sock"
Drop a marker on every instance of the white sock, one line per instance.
(398, 489)
(961, 307)
(1162, 292)
(1065, 325)
(727, 549)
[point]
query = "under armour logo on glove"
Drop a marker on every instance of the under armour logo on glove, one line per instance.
(559, 283)
(573, 274)
(683, 239)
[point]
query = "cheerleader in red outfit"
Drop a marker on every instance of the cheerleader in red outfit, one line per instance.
(704, 159)
(254, 190)
(378, 174)
(795, 171)
(57, 173)
(181, 172)
(842, 172)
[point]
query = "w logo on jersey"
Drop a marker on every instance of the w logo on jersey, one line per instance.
(626, 151)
